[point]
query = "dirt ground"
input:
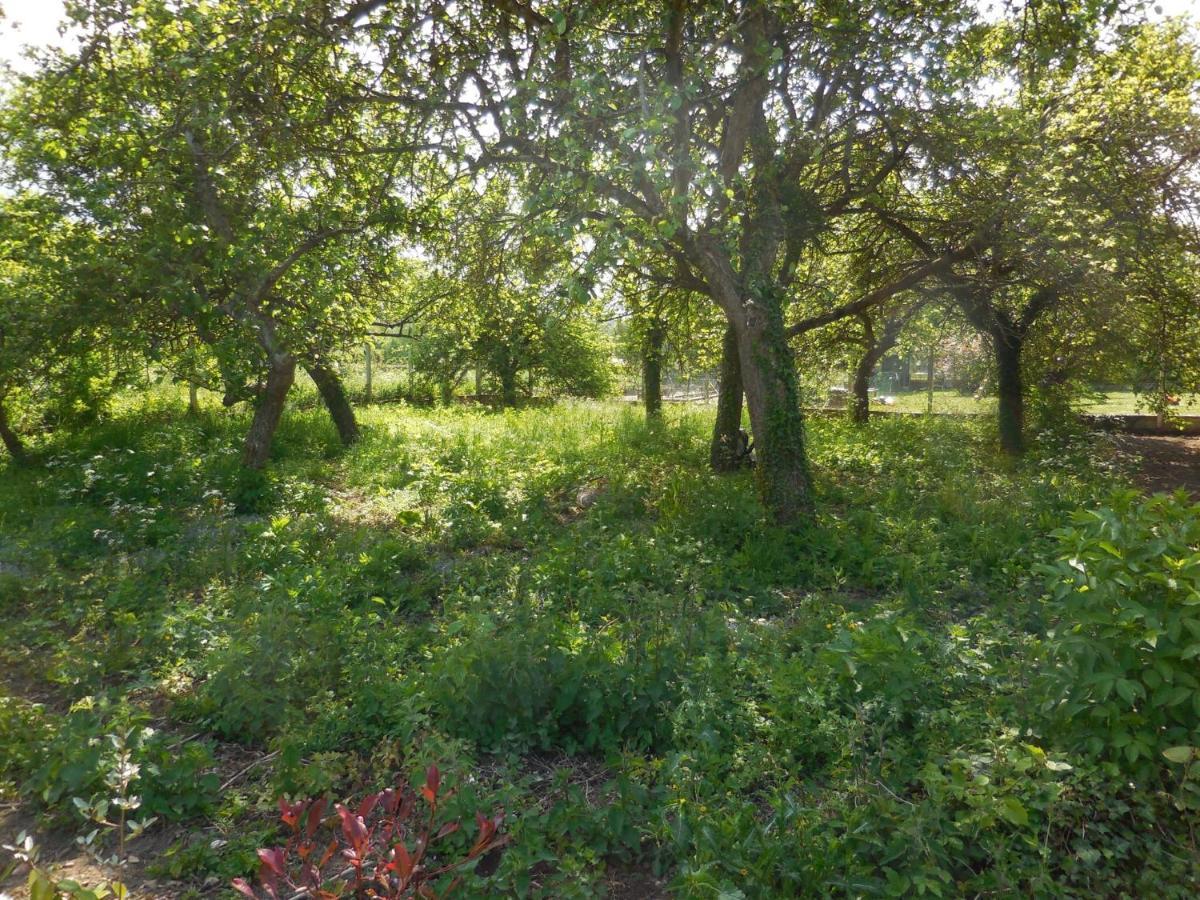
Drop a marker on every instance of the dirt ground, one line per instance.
(63, 859)
(1166, 463)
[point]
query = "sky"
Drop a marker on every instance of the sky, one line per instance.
(35, 22)
(28, 22)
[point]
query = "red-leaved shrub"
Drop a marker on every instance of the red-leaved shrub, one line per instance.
(379, 850)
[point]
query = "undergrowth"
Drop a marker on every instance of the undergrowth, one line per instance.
(584, 627)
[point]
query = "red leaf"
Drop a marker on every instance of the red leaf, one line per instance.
(390, 800)
(242, 886)
(290, 812)
(488, 829)
(367, 804)
(315, 812)
(406, 807)
(274, 859)
(353, 828)
(448, 828)
(433, 779)
(402, 863)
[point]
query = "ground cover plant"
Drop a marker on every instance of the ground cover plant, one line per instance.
(932, 690)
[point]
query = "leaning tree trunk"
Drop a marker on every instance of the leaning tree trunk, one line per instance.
(336, 401)
(773, 399)
(725, 454)
(860, 404)
(652, 356)
(268, 412)
(1007, 347)
(12, 440)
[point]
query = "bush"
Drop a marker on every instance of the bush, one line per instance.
(550, 683)
(77, 761)
(24, 730)
(376, 839)
(1124, 682)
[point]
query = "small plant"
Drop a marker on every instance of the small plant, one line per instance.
(40, 885)
(383, 846)
(113, 812)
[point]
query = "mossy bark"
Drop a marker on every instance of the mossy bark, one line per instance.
(860, 389)
(772, 398)
(508, 387)
(1010, 390)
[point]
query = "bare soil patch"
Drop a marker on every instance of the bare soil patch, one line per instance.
(1165, 462)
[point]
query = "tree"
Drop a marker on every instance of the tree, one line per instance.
(1052, 182)
(505, 300)
(58, 359)
(201, 142)
(724, 137)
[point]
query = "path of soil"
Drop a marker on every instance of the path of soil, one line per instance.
(1166, 463)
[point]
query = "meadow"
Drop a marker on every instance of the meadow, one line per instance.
(580, 625)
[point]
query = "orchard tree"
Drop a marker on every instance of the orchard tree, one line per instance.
(58, 358)
(725, 137)
(506, 300)
(203, 142)
(1054, 181)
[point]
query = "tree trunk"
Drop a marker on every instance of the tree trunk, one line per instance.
(268, 412)
(860, 400)
(877, 349)
(508, 388)
(929, 381)
(369, 373)
(725, 443)
(336, 401)
(772, 397)
(12, 440)
(1010, 390)
(193, 399)
(652, 354)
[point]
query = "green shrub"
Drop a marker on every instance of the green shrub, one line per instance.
(550, 682)
(1125, 646)
(24, 730)
(174, 781)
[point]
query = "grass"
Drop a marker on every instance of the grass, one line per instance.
(945, 401)
(581, 625)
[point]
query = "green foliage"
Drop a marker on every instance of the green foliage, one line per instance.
(565, 685)
(24, 730)
(1125, 605)
(74, 764)
(653, 681)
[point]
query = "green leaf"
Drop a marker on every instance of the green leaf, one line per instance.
(1012, 810)
(1180, 754)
